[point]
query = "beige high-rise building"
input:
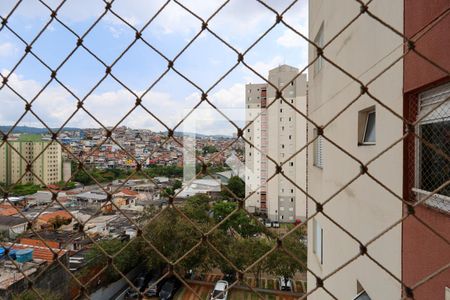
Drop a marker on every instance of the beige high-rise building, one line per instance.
(48, 166)
(276, 133)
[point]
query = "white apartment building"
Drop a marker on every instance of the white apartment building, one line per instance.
(364, 129)
(276, 132)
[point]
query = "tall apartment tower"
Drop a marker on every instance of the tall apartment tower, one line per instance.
(276, 133)
(405, 169)
(48, 166)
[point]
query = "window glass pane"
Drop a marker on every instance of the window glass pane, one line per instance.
(369, 135)
(434, 167)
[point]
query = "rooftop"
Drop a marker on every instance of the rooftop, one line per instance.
(11, 221)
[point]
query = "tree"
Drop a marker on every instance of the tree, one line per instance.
(59, 221)
(21, 189)
(237, 186)
(177, 185)
(197, 208)
(31, 295)
(62, 185)
(167, 192)
(209, 149)
(125, 260)
(253, 249)
(173, 236)
(239, 221)
(280, 263)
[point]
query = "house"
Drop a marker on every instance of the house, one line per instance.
(199, 186)
(12, 226)
(40, 266)
(48, 219)
(68, 240)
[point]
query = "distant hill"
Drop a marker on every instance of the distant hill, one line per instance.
(33, 130)
(201, 135)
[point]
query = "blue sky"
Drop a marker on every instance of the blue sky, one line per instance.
(240, 23)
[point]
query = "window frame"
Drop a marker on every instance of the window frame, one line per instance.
(319, 40)
(318, 150)
(366, 123)
(426, 118)
(318, 247)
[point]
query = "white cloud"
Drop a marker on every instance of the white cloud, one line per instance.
(173, 19)
(262, 68)
(7, 49)
(290, 39)
(55, 105)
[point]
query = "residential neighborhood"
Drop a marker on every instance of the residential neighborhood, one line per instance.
(225, 150)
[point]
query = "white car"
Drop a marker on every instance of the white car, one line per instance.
(285, 284)
(220, 291)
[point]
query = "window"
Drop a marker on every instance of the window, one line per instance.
(318, 151)
(432, 167)
(367, 126)
(319, 42)
(318, 240)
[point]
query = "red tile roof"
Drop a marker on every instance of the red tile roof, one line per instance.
(60, 213)
(129, 192)
(43, 253)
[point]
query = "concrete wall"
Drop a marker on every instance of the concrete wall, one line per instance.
(364, 208)
(434, 44)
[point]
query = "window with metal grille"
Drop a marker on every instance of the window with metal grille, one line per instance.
(433, 149)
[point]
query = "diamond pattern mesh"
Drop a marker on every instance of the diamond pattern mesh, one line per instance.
(198, 241)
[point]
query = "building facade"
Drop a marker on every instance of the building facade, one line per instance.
(427, 168)
(275, 133)
(364, 129)
(48, 166)
(367, 203)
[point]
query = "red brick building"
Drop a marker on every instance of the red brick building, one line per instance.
(426, 234)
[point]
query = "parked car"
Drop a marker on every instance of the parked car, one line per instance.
(285, 284)
(267, 223)
(275, 224)
(140, 283)
(220, 291)
(169, 288)
(153, 286)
